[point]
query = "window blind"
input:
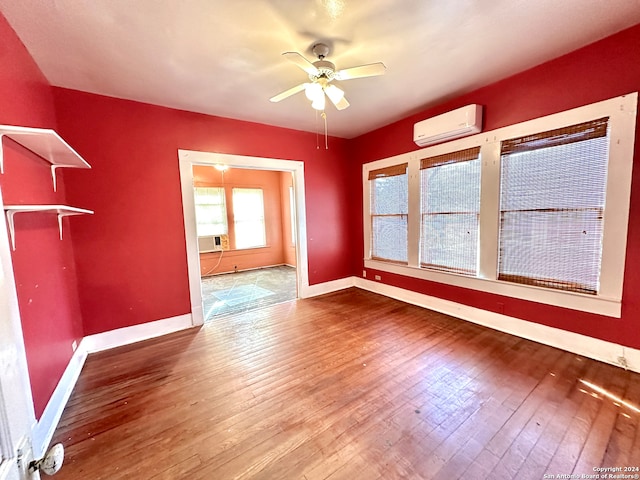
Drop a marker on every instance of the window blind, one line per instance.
(389, 213)
(450, 211)
(552, 196)
(211, 212)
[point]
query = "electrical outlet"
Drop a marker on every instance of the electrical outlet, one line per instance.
(378, 277)
(364, 274)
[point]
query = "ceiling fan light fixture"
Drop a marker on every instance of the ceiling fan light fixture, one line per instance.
(319, 102)
(313, 91)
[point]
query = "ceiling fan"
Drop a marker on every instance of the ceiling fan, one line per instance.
(321, 74)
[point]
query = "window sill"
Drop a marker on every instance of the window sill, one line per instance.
(609, 307)
(236, 250)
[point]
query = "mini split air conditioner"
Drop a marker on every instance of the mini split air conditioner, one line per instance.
(454, 124)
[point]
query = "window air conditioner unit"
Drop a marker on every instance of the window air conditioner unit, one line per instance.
(448, 126)
(210, 243)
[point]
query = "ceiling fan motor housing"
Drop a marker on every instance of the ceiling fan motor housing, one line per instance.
(326, 70)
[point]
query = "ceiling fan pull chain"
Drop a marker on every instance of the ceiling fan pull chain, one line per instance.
(317, 132)
(326, 137)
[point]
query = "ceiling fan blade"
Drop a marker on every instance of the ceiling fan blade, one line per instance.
(370, 70)
(342, 104)
(336, 95)
(301, 62)
(288, 93)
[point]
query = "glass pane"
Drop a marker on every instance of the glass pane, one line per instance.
(389, 195)
(454, 187)
(449, 242)
(552, 203)
(249, 234)
(209, 195)
(210, 210)
(389, 208)
(389, 238)
(558, 249)
(248, 213)
(566, 176)
(450, 207)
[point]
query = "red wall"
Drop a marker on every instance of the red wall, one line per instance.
(43, 265)
(605, 69)
(131, 254)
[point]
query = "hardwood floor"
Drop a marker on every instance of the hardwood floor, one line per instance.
(350, 385)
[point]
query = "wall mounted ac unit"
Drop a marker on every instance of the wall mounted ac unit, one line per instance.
(448, 126)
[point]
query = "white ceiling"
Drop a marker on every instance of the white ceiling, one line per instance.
(224, 57)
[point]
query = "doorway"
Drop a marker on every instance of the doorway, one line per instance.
(245, 224)
(189, 160)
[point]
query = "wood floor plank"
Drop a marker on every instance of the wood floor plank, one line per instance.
(349, 385)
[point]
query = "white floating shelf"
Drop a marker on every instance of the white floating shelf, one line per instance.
(60, 210)
(45, 143)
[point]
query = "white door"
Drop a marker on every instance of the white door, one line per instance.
(17, 415)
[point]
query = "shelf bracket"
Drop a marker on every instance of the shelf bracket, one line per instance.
(61, 211)
(53, 176)
(12, 228)
(60, 216)
(44, 143)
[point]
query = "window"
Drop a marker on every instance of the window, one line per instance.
(248, 213)
(292, 215)
(389, 210)
(211, 212)
(450, 211)
(537, 211)
(552, 195)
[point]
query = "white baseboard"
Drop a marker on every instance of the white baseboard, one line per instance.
(327, 287)
(594, 348)
(46, 426)
(136, 333)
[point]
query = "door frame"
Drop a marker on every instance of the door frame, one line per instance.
(189, 158)
(17, 414)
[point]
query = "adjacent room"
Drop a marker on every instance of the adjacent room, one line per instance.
(319, 239)
(246, 239)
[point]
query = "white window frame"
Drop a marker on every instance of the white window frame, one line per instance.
(622, 124)
(292, 215)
